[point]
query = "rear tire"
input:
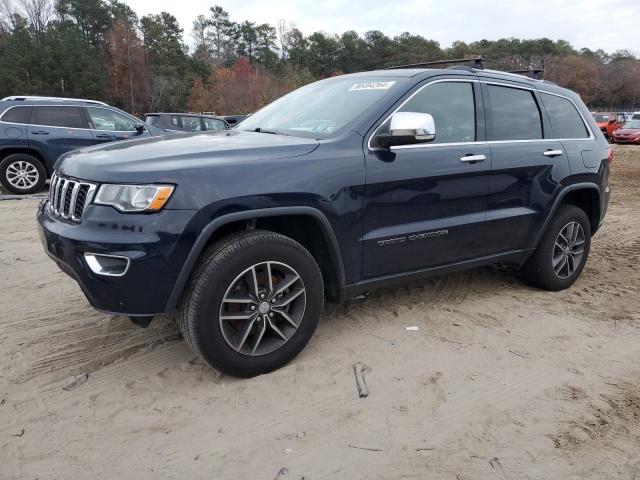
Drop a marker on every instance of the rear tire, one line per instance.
(232, 314)
(22, 174)
(563, 251)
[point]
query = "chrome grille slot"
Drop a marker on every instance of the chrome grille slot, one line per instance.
(68, 198)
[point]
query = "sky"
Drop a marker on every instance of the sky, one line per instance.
(596, 24)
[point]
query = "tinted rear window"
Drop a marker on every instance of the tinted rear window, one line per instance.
(68, 117)
(565, 119)
(514, 113)
(17, 115)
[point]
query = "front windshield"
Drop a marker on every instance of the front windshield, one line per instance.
(601, 117)
(322, 109)
(632, 124)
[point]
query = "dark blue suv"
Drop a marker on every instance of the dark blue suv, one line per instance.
(343, 185)
(35, 131)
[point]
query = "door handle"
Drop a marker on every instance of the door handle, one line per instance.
(553, 153)
(103, 135)
(39, 132)
(473, 158)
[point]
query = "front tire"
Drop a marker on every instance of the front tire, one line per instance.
(22, 174)
(562, 252)
(252, 303)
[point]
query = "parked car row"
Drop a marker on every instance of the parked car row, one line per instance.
(619, 127)
(36, 131)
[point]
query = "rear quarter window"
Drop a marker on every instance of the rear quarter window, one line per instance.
(17, 115)
(565, 120)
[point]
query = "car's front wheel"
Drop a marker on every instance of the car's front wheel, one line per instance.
(562, 252)
(22, 174)
(252, 304)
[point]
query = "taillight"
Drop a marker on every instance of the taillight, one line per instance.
(609, 154)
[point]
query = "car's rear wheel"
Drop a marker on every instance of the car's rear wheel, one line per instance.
(22, 174)
(252, 304)
(562, 252)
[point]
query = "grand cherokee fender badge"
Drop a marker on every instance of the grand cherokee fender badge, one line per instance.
(411, 238)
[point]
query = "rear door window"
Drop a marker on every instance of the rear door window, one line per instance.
(67, 117)
(17, 115)
(514, 114)
(565, 120)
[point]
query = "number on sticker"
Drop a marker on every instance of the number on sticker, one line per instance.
(371, 86)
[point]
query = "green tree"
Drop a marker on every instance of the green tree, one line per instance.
(266, 45)
(166, 61)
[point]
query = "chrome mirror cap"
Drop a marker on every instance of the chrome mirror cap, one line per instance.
(420, 126)
(407, 128)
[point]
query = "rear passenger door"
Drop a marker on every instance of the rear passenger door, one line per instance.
(54, 130)
(528, 166)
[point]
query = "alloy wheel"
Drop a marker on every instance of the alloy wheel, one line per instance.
(262, 308)
(22, 175)
(568, 250)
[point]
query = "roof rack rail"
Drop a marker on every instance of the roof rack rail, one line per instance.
(20, 98)
(474, 62)
(535, 73)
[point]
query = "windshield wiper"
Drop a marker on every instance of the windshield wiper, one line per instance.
(270, 131)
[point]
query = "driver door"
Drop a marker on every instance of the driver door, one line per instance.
(425, 204)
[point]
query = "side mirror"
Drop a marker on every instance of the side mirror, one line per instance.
(140, 128)
(407, 128)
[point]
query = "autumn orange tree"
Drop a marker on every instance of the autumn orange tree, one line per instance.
(242, 88)
(126, 72)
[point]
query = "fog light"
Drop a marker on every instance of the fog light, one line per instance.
(107, 265)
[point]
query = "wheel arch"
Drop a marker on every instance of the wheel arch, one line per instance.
(310, 221)
(584, 195)
(5, 152)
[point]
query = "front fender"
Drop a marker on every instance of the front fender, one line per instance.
(209, 230)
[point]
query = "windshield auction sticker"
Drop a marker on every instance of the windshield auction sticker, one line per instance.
(372, 86)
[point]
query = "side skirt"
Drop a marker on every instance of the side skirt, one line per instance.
(517, 257)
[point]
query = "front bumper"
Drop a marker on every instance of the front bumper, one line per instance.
(154, 244)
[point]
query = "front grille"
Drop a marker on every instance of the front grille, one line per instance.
(68, 198)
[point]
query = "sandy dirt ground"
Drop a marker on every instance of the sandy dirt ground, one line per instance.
(501, 381)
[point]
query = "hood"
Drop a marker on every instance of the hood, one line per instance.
(161, 159)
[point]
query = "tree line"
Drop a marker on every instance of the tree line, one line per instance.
(101, 49)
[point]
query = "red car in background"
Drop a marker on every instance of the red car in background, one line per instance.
(608, 122)
(628, 133)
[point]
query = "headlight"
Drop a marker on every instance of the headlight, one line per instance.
(134, 198)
